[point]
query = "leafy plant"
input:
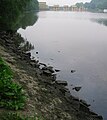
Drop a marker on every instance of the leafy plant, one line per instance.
(11, 95)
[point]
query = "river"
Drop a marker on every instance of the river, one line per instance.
(74, 41)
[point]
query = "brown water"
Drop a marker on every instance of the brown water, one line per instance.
(74, 40)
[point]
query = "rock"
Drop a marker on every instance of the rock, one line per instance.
(72, 71)
(85, 103)
(60, 82)
(98, 117)
(68, 94)
(47, 72)
(37, 65)
(39, 72)
(83, 108)
(93, 113)
(32, 64)
(32, 60)
(53, 77)
(77, 88)
(64, 90)
(28, 54)
(56, 70)
(47, 82)
(43, 64)
(51, 59)
(36, 52)
(49, 68)
(44, 68)
(75, 98)
(75, 104)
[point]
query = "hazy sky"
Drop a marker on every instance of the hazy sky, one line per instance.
(63, 2)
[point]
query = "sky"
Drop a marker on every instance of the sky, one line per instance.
(63, 2)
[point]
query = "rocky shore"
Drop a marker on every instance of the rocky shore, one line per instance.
(46, 96)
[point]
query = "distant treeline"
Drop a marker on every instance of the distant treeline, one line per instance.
(94, 5)
(97, 5)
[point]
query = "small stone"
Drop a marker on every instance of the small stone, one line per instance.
(72, 71)
(77, 88)
(56, 70)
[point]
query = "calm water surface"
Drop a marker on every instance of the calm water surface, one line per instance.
(74, 40)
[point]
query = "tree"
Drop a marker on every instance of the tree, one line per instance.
(10, 11)
(79, 5)
(96, 5)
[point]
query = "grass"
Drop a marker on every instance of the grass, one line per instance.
(11, 95)
(16, 116)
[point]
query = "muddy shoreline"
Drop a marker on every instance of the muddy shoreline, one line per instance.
(46, 96)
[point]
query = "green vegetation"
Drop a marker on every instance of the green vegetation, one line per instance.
(33, 5)
(96, 5)
(11, 95)
(79, 5)
(12, 10)
(16, 116)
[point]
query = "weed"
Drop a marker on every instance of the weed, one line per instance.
(11, 95)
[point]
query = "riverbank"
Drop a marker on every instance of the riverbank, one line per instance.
(46, 97)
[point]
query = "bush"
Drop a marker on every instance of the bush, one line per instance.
(11, 95)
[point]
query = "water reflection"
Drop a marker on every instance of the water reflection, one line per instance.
(9, 27)
(102, 21)
(13, 14)
(20, 21)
